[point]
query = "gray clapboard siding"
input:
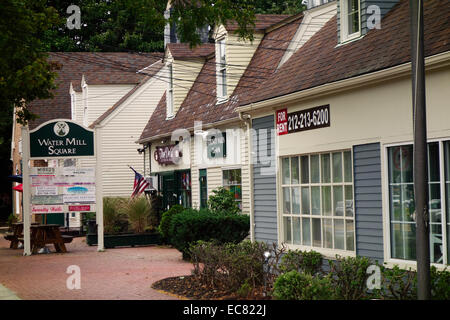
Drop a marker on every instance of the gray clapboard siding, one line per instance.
(368, 201)
(384, 5)
(264, 183)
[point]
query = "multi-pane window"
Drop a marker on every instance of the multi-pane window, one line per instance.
(170, 93)
(317, 205)
(402, 206)
(222, 90)
(232, 181)
(350, 18)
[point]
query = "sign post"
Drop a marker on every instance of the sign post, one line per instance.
(60, 189)
(26, 191)
(99, 192)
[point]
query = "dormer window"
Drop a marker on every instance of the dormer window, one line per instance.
(350, 19)
(170, 93)
(222, 72)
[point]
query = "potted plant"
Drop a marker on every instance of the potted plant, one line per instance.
(126, 223)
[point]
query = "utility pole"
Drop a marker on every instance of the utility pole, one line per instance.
(420, 151)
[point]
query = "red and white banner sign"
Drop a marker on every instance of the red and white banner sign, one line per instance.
(282, 122)
(43, 209)
(80, 208)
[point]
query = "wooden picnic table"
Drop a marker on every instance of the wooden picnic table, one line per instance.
(16, 232)
(40, 235)
(43, 234)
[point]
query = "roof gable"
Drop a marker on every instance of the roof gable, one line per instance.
(321, 60)
(200, 103)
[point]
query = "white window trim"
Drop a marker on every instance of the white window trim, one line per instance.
(345, 36)
(326, 252)
(241, 201)
(85, 104)
(221, 98)
(170, 114)
(73, 101)
(410, 264)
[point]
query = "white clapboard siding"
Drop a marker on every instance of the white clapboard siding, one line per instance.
(214, 179)
(102, 97)
(245, 173)
(238, 55)
(313, 20)
(185, 73)
(119, 133)
(78, 107)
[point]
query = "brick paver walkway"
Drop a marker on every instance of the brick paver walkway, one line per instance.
(124, 273)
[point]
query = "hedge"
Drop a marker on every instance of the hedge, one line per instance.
(193, 225)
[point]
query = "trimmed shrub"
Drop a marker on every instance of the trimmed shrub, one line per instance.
(166, 221)
(294, 285)
(397, 284)
(193, 225)
(309, 262)
(234, 268)
(440, 284)
(222, 201)
(350, 277)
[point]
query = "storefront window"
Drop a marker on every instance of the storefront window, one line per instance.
(402, 205)
(184, 193)
(176, 188)
(232, 181)
(317, 193)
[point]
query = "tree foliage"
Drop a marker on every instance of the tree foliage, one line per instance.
(25, 73)
(109, 26)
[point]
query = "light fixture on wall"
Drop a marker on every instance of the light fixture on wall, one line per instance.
(141, 150)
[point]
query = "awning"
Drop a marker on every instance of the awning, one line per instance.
(15, 178)
(19, 188)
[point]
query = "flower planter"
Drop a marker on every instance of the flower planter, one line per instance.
(125, 240)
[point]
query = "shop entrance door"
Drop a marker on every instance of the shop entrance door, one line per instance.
(169, 191)
(203, 188)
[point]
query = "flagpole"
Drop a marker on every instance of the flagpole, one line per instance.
(420, 151)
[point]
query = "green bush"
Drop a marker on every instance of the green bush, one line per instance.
(440, 284)
(397, 284)
(166, 220)
(309, 262)
(350, 277)
(294, 285)
(12, 218)
(193, 225)
(234, 268)
(114, 217)
(138, 210)
(222, 201)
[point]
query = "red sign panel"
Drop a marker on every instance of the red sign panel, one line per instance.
(282, 122)
(80, 208)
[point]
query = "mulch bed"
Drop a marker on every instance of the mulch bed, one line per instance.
(190, 288)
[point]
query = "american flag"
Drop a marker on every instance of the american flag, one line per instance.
(139, 183)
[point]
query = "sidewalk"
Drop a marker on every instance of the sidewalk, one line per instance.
(116, 274)
(6, 294)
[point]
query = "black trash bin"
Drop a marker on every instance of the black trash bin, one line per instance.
(92, 227)
(91, 236)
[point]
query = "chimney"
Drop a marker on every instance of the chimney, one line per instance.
(170, 31)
